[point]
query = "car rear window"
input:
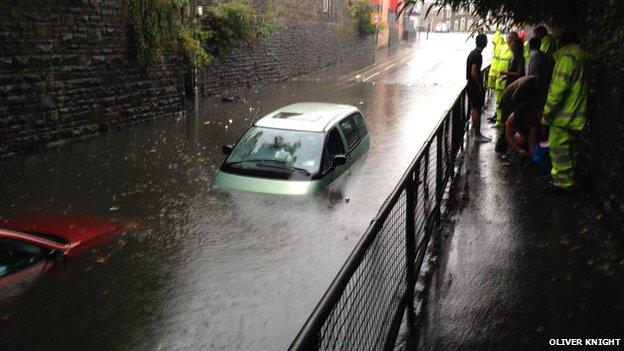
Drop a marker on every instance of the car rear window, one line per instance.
(359, 123)
(349, 130)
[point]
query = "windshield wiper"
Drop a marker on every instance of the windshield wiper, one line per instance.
(292, 169)
(249, 161)
(276, 164)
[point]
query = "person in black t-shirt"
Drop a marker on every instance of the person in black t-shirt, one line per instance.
(474, 87)
(516, 66)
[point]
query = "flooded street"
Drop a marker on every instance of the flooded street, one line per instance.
(204, 268)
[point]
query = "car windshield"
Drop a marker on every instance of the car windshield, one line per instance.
(16, 255)
(278, 151)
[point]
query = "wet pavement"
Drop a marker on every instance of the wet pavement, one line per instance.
(518, 267)
(202, 268)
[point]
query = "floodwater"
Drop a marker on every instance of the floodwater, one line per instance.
(199, 267)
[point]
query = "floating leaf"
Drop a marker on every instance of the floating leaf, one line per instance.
(101, 259)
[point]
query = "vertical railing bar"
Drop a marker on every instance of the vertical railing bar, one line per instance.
(439, 190)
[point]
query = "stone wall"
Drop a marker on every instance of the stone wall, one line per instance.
(309, 39)
(66, 72)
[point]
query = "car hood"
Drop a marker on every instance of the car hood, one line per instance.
(73, 229)
(262, 185)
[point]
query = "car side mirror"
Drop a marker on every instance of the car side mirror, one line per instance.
(339, 160)
(227, 149)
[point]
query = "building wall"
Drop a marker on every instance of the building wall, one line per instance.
(309, 39)
(444, 15)
(66, 72)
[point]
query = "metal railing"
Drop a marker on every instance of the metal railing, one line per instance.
(364, 306)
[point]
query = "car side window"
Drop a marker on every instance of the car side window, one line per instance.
(16, 255)
(359, 123)
(332, 148)
(349, 130)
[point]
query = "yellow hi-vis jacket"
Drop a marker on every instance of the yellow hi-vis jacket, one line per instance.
(566, 104)
(504, 56)
(497, 42)
(547, 45)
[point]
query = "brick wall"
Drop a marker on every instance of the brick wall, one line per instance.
(308, 40)
(66, 72)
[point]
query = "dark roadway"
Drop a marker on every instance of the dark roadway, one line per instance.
(204, 268)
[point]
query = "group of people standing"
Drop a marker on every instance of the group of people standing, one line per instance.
(541, 98)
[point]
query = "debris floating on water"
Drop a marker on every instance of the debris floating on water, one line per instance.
(229, 98)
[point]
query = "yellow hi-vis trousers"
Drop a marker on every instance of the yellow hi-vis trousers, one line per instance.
(500, 91)
(562, 155)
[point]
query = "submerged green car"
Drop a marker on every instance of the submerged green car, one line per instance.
(297, 150)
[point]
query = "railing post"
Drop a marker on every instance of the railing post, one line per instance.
(439, 190)
(410, 252)
(447, 152)
(425, 182)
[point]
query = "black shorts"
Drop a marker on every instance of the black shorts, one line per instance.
(476, 98)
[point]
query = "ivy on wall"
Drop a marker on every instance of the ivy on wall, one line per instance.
(160, 25)
(361, 12)
(154, 26)
(235, 22)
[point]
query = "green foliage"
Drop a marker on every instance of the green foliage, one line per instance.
(526, 11)
(193, 39)
(154, 26)
(267, 20)
(604, 37)
(361, 12)
(160, 24)
(234, 23)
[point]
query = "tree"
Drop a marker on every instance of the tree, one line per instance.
(598, 22)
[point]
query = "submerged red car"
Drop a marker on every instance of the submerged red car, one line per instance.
(29, 246)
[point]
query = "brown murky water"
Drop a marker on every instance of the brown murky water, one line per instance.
(206, 268)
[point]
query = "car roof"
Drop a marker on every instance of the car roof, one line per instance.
(31, 239)
(306, 116)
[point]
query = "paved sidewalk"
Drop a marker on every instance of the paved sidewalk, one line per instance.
(518, 267)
